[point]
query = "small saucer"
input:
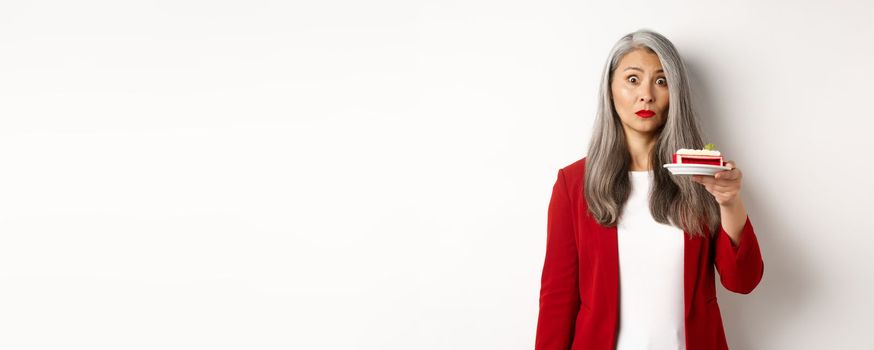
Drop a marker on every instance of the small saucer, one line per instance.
(695, 169)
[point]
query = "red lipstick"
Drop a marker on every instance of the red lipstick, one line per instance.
(645, 113)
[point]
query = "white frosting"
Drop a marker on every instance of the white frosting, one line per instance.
(698, 152)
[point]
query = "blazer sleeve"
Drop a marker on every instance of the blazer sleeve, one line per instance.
(740, 266)
(559, 285)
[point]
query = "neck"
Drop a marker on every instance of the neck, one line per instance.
(640, 147)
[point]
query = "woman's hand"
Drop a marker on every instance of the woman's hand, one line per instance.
(724, 185)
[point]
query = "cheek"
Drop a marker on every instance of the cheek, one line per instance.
(664, 97)
(621, 97)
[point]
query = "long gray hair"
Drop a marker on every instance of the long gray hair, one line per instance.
(674, 200)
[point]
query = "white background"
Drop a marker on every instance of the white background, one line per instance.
(375, 175)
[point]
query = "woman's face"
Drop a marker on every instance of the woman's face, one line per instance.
(639, 84)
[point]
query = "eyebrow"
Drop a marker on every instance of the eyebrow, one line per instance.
(635, 68)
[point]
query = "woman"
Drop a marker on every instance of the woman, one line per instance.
(631, 248)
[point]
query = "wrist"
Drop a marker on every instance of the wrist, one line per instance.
(734, 205)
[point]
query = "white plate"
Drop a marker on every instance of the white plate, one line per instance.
(695, 169)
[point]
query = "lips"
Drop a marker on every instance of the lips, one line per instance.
(645, 113)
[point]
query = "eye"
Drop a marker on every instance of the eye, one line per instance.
(662, 80)
(632, 79)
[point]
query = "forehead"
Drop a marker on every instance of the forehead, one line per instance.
(642, 59)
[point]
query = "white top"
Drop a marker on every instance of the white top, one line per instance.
(651, 313)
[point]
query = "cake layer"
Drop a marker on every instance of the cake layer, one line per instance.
(706, 160)
(698, 152)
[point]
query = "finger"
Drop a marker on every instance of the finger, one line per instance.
(718, 187)
(725, 198)
(718, 193)
(709, 180)
(722, 185)
(726, 175)
(733, 173)
(730, 175)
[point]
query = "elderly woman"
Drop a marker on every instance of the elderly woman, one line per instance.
(631, 248)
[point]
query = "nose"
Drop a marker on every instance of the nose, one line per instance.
(646, 97)
(646, 94)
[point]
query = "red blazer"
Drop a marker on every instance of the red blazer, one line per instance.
(579, 293)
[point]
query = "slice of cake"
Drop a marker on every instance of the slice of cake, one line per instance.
(707, 156)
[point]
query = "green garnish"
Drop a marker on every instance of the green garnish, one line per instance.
(710, 147)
